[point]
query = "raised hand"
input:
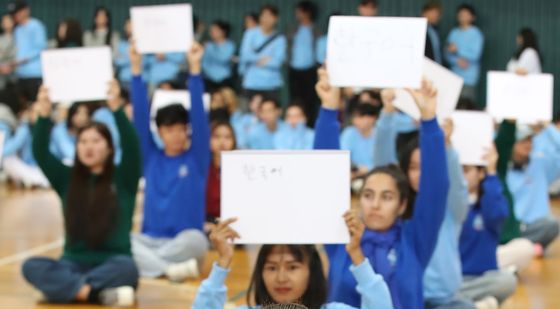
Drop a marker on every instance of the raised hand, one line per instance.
(43, 104)
(222, 236)
(329, 95)
(388, 97)
(356, 229)
(491, 157)
(426, 99)
(447, 127)
(194, 57)
(114, 100)
(135, 60)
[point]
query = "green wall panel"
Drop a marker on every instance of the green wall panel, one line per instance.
(499, 20)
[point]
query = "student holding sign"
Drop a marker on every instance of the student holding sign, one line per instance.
(98, 201)
(292, 274)
(172, 242)
(527, 58)
(481, 234)
(262, 54)
(398, 249)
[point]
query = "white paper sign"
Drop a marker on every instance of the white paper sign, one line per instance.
(287, 197)
(526, 98)
(77, 74)
(472, 137)
(162, 28)
(163, 98)
(448, 84)
(376, 51)
(2, 138)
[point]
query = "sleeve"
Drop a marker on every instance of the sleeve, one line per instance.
(57, 173)
(14, 143)
(65, 146)
(176, 58)
(224, 54)
(345, 139)
(505, 139)
(371, 286)
(121, 57)
(451, 58)
(429, 207)
(552, 166)
(321, 50)
(458, 196)
(529, 60)
(327, 130)
(141, 110)
(247, 55)
(494, 205)
(212, 292)
(129, 169)
(199, 120)
(39, 41)
(473, 50)
(277, 54)
(385, 135)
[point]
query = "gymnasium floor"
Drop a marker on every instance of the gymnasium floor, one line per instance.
(31, 224)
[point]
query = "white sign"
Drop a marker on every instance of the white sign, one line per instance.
(77, 74)
(472, 137)
(162, 28)
(378, 52)
(2, 138)
(528, 99)
(448, 84)
(287, 197)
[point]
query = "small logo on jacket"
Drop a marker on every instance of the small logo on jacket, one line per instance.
(183, 171)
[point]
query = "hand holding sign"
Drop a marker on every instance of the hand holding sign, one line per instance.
(329, 95)
(222, 237)
(426, 99)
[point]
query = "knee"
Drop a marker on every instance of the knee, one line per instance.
(196, 239)
(32, 268)
(505, 284)
(126, 268)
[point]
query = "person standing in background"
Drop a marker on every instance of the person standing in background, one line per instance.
(263, 51)
(68, 34)
(8, 87)
(250, 21)
(101, 32)
(432, 12)
(464, 49)
(302, 74)
(31, 38)
(218, 57)
(527, 59)
(368, 8)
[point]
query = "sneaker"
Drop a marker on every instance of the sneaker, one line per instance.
(122, 296)
(489, 302)
(181, 271)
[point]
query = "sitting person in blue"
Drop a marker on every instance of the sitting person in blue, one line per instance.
(262, 135)
(295, 135)
(359, 138)
(398, 249)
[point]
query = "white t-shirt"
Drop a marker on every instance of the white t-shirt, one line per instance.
(528, 60)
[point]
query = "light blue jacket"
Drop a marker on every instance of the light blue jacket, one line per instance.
(165, 70)
(371, 286)
(321, 49)
(360, 147)
(216, 62)
(470, 43)
(30, 39)
(261, 138)
(298, 138)
(302, 57)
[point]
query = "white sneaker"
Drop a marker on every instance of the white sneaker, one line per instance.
(122, 296)
(181, 271)
(489, 302)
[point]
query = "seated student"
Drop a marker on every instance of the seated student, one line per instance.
(359, 137)
(399, 249)
(295, 135)
(172, 242)
(18, 161)
(244, 124)
(222, 138)
(292, 274)
(121, 59)
(231, 102)
(481, 234)
(218, 54)
(261, 136)
(161, 68)
(528, 178)
(98, 200)
(443, 276)
(548, 142)
(63, 136)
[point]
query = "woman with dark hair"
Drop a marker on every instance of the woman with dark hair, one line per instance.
(222, 138)
(101, 32)
(68, 34)
(98, 200)
(250, 20)
(291, 275)
(527, 58)
(401, 227)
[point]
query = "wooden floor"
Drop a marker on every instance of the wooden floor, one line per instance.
(30, 224)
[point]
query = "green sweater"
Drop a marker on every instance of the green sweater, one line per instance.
(125, 180)
(504, 144)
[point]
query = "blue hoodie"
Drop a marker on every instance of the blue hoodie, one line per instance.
(409, 245)
(298, 138)
(481, 232)
(175, 186)
(470, 43)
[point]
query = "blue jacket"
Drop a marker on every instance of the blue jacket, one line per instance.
(30, 39)
(298, 138)
(481, 231)
(63, 144)
(261, 138)
(302, 57)
(160, 71)
(321, 49)
(470, 43)
(216, 62)
(175, 186)
(375, 295)
(122, 62)
(360, 147)
(269, 76)
(416, 238)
